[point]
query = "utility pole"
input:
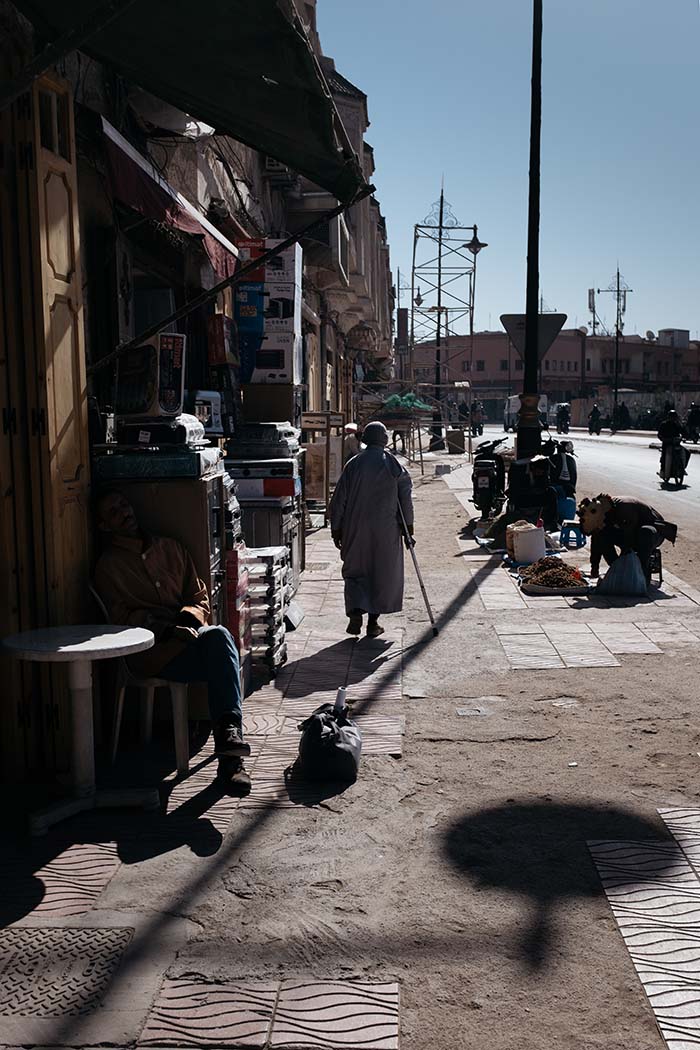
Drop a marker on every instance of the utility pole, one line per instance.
(436, 441)
(619, 288)
(529, 428)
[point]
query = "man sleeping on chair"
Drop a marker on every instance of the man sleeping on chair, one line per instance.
(150, 581)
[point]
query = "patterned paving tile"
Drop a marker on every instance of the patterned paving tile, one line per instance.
(273, 792)
(684, 825)
(58, 972)
(72, 881)
(258, 724)
(625, 639)
(191, 1013)
(668, 633)
(530, 652)
(655, 898)
(344, 1015)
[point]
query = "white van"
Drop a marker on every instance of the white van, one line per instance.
(511, 410)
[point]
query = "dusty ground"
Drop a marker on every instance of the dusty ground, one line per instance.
(460, 869)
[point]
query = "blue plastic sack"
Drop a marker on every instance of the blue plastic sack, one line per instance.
(624, 578)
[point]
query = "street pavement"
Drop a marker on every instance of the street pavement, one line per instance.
(517, 864)
(626, 465)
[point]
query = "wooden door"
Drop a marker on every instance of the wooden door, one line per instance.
(55, 397)
(59, 417)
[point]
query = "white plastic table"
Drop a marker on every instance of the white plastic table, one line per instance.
(78, 646)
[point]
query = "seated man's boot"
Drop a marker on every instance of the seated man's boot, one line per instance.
(228, 739)
(233, 776)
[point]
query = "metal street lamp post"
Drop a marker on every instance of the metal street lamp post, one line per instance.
(474, 246)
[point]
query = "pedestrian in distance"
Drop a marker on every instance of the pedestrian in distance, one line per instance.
(151, 581)
(365, 526)
(351, 442)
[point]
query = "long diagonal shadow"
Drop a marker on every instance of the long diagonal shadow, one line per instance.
(67, 1032)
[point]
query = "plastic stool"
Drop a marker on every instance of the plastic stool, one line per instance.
(569, 529)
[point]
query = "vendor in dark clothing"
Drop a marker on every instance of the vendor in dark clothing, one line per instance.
(625, 523)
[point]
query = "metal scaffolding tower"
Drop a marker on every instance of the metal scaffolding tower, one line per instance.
(443, 279)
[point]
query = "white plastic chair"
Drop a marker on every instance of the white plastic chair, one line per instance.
(147, 688)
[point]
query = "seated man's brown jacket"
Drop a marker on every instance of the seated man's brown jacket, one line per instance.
(152, 582)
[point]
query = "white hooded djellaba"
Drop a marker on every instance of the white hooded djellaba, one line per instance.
(365, 517)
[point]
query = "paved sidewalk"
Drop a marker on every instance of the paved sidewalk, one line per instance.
(88, 909)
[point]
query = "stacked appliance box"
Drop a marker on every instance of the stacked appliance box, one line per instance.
(267, 310)
(255, 441)
(269, 595)
(263, 460)
(237, 580)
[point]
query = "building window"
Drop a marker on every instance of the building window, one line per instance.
(575, 366)
(568, 366)
(588, 364)
(518, 365)
(504, 365)
(465, 366)
(481, 366)
(554, 366)
(546, 366)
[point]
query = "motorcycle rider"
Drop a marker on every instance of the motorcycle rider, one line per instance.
(692, 423)
(594, 420)
(671, 432)
(563, 418)
(564, 471)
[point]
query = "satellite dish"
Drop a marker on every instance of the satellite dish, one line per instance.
(583, 329)
(651, 337)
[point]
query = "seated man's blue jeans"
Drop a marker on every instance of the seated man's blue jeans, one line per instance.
(212, 658)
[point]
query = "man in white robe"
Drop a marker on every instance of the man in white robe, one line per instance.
(366, 528)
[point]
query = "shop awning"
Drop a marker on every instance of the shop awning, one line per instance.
(137, 182)
(243, 66)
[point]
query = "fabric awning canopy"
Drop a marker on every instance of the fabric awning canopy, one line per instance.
(136, 182)
(243, 66)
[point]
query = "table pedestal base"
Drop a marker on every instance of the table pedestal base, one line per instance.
(43, 819)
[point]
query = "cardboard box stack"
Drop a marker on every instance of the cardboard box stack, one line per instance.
(267, 310)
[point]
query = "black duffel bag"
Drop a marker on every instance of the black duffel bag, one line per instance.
(330, 746)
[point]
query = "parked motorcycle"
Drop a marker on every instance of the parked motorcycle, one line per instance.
(489, 478)
(674, 460)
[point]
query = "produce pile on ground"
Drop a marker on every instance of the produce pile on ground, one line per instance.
(552, 572)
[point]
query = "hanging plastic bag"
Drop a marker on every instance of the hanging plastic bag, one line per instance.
(624, 578)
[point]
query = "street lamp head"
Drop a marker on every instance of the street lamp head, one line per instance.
(475, 245)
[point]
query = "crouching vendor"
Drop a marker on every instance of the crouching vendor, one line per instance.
(627, 524)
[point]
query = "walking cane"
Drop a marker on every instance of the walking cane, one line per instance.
(410, 543)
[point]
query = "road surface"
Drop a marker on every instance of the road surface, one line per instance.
(625, 465)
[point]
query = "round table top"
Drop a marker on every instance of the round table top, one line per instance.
(79, 642)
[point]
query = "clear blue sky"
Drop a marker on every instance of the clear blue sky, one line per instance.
(448, 84)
